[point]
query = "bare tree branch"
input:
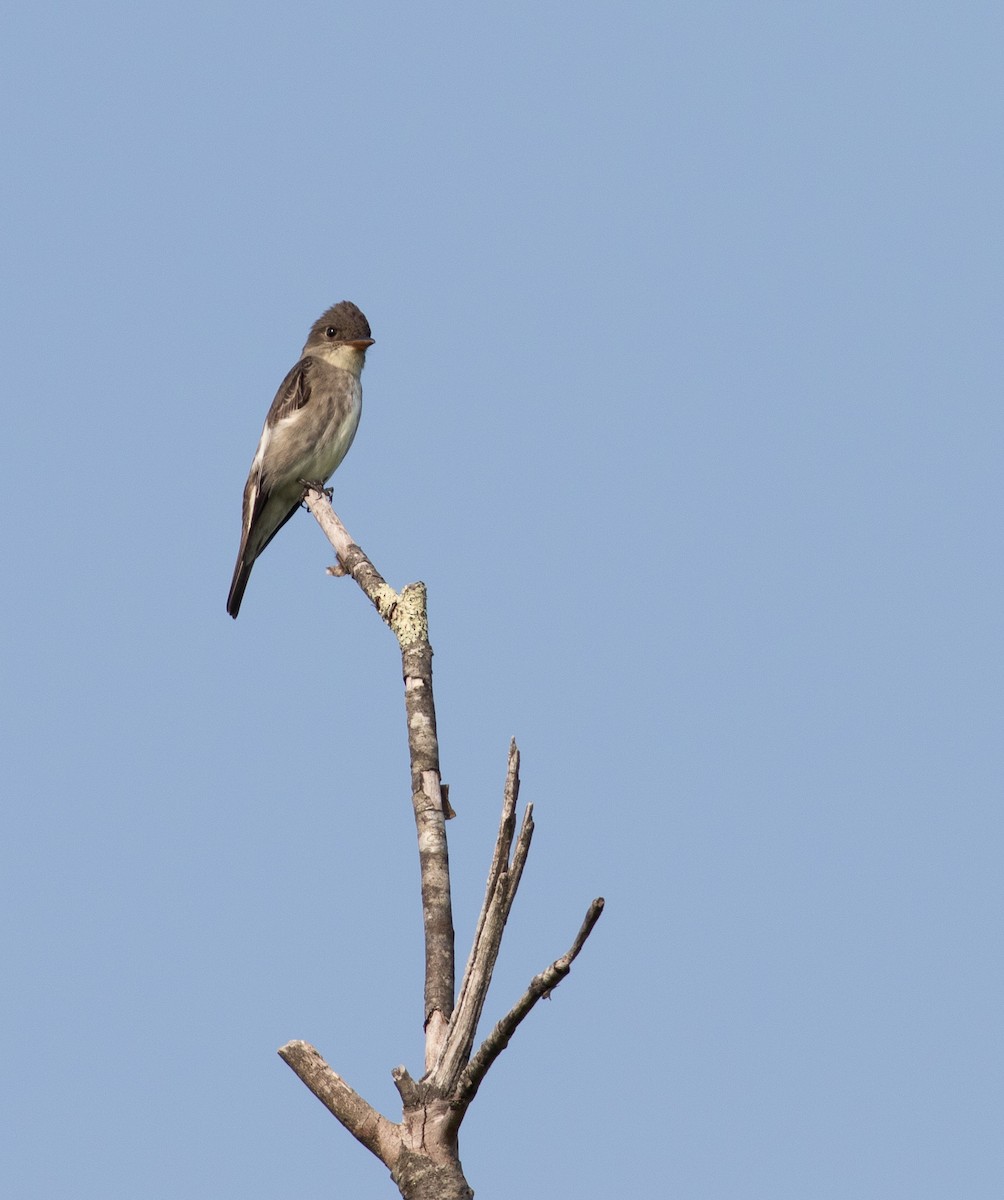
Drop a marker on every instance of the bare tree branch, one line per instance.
(422, 1152)
(500, 860)
(351, 559)
(503, 880)
(503, 842)
(368, 1126)
(541, 985)
(406, 615)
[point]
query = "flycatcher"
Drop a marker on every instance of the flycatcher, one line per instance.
(309, 428)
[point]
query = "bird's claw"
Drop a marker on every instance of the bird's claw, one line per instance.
(316, 485)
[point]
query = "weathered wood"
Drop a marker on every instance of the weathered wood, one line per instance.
(421, 1151)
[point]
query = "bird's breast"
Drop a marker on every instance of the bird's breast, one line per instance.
(310, 442)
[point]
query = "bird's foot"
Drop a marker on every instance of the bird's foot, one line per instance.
(317, 485)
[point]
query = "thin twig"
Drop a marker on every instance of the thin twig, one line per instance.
(481, 964)
(457, 1048)
(540, 985)
(352, 561)
(503, 843)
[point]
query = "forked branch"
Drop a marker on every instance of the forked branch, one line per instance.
(503, 880)
(421, 1151)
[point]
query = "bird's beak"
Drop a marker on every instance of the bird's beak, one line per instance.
(362, 344)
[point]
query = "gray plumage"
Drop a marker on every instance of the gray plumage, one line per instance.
(307, 432)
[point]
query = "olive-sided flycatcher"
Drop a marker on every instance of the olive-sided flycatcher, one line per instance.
(309, 427)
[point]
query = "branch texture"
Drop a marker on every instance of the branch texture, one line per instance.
(363, 1121)
(541, 985)
(406, 615)
(422, 1151)
(503, 880)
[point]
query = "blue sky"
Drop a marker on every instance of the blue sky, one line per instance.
(686, 404)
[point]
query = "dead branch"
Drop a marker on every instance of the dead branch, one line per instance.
(361, 1120)
(503, 880)
(421, 1151)
(406, 616)
(541, 985)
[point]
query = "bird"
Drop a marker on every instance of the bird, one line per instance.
(308, 430)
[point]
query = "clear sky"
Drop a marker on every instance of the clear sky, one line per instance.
(686, 404)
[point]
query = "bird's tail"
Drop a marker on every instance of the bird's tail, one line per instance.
(242, 573)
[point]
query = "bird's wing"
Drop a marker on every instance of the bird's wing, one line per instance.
(293, 393)
(266, 512)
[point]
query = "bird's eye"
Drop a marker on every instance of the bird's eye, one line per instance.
(331, 332)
